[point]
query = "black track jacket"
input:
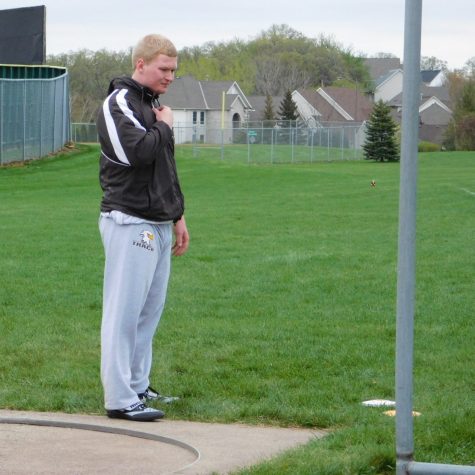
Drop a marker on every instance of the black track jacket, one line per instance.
(137, 166)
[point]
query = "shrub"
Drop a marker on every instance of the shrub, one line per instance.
(428, 147)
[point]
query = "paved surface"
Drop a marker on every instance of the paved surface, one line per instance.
(56, 443)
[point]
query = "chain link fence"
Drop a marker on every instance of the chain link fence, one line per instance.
(34, 112)
(260, 144)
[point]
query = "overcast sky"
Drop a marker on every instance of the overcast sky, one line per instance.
(364, 26)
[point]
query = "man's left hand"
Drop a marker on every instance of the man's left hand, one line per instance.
(182, 238)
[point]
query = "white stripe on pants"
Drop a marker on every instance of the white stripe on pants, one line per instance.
(137, 268)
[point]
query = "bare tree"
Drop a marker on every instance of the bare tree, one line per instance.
(469, 68)
(268, 74)
(294, 78)
(431, 63)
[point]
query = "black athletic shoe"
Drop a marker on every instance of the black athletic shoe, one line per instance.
(136, 412)
(151, 395)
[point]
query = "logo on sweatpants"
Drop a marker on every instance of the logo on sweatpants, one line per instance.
(146, 240)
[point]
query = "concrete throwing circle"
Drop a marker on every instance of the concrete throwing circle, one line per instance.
(37, 446)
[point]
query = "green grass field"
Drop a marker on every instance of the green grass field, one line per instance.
(282, 312)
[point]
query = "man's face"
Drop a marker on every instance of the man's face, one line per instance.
(158, 74)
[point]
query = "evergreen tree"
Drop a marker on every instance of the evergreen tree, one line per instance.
(268, 109)
(288, 108)
(380, 143)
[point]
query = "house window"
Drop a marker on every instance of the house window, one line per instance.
(202, 117)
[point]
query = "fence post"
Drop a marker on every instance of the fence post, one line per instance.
(54, 115)
(248, 147)
(292, 141)
(193, 142)
(272, 145)
(311, 145)
(1, 122)
(41, 121)
(24, 119)
(342, 140)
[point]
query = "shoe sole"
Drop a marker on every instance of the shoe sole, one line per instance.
(140, 417)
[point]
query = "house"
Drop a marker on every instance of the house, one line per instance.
(306, 102)
(434, 112)
(201, 108)
(337, 110)
(386, 81)
(388, 86)
(379, 67)
(211, 111)
(435, 109)
(327, 105)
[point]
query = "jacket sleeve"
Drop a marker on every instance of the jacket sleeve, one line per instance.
(129, 141)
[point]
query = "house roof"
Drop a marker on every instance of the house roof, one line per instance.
(186, 92)
(441, 93)
(385, 77)
(378, 67)
(339, 104)
(434, 101)
(213, 91)
(429, 75)
(259, 104)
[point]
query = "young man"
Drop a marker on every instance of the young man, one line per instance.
(142, 206)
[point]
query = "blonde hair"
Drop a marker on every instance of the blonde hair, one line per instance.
(150, 46)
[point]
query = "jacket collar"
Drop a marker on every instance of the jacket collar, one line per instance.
(129, 83)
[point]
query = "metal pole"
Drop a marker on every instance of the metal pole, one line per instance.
(407, 236)
(222, 143)
(419, 468)
(406, 256)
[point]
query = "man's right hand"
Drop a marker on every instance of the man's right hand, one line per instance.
(164, 114)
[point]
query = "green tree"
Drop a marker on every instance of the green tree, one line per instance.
(288, 108)
(277, 60)
(90, 73)
(269, 113)
(380, 143)
(217, 62)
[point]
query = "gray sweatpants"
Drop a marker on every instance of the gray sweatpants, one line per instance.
(137, 268)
